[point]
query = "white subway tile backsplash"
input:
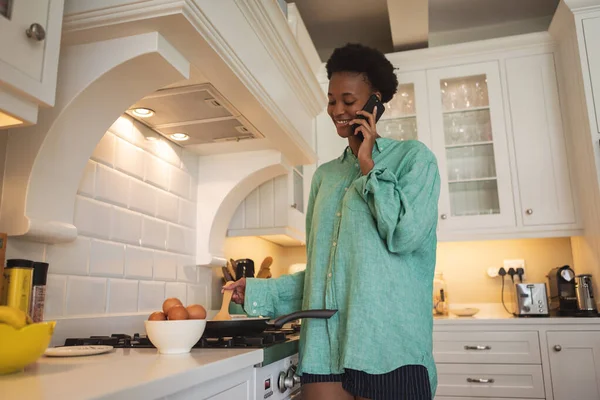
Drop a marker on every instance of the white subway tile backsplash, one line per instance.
(86, 185)
(105, 150)
(167, 206)
(69, 258)
(154, 233)
(130, 159)
(122, 296)
(126, 226)
(107, 258)
(85, 296)
(138, 263)
(180, 183)
(24, 249)
(92, 217)
(151, 296)
(198, 294)
(187, 213)
(142, 197)
(56, 291)
(165, 266)
(176, 239)
(177, 290)
(157, 172)
(189, 240)
(136, 214)
(123, 127)
(112, 186)
(187, 270)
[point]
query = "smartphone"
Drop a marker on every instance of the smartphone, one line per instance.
(371, 103)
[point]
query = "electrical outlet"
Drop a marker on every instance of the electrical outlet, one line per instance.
(515, 264)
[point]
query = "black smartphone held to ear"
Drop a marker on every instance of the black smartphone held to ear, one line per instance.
(371, 103)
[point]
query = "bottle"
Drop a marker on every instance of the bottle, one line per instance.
(38, 291)
(18, 276)
(440, 295)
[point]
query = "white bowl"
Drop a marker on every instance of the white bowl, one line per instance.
(175, 337)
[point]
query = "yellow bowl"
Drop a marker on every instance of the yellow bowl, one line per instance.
(21, 347)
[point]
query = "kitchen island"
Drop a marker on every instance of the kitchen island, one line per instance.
(138, 374)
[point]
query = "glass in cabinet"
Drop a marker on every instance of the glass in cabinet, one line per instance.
(469, 139)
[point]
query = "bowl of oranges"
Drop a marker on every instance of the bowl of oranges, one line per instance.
(176, 329)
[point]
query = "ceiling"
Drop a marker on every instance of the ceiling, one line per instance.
(396, 25)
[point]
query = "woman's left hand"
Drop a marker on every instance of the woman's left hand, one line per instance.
(369, 131)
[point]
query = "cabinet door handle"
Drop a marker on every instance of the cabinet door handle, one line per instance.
(557, 348)
(529, 211)
(36, 31)
(478, 347)
(480, 380)
(443, 216)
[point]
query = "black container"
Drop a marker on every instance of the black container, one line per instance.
(244, 268)
(38, 291)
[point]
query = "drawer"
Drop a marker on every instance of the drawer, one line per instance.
(483, 380)
(486, 347)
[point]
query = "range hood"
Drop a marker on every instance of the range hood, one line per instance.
(199, 112)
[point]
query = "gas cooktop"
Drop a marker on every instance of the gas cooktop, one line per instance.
(263, 340)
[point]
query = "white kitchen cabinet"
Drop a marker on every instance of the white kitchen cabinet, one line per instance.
(591, 29)
(275, 210)
(469, 138)
(575, 364)
(29, 51)
(238, 385)
(544, 184)
(406, 115)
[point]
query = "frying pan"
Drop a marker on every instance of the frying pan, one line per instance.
(254, 326)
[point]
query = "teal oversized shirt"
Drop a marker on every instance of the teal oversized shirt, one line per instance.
(371, 250)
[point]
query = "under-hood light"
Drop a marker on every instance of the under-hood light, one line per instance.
(142, 112)
(179, 136)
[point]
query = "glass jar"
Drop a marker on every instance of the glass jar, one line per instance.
(440, 295)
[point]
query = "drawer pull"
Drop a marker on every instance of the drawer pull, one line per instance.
(478, 347)
(479, 380)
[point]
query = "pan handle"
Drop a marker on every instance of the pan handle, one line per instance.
(320, 314)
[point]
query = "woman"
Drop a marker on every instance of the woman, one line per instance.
(371, 249)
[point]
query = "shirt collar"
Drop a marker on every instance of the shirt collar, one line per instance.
(378, 148)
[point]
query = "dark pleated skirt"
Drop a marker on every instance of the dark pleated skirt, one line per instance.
(410, 382)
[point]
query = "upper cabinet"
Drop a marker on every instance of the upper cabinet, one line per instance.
(29, 50)
(591, 29)
(405, 115)
(469, 138)
(544, 185)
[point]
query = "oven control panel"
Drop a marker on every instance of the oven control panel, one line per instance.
(277, 381)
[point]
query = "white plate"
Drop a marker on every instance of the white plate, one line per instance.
(465, 312)
(75, 351)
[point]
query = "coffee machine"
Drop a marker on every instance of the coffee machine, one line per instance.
(584, 290)
(563, 295)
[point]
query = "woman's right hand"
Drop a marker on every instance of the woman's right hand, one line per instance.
(239, 291)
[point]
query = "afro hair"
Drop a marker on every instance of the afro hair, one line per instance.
(378, 70)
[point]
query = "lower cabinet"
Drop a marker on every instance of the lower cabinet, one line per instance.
(235, 386)
(575, 364)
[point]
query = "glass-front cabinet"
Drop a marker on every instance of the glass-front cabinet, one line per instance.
(405, 116)
(469, 138)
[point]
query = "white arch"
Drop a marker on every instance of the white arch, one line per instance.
(45, 162)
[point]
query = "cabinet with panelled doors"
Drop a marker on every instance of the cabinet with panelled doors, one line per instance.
(591, 31)
(30, 32)
(575, 364)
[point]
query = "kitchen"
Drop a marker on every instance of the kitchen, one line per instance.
(138, 217)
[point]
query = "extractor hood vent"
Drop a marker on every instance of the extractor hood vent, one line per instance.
(199, 111)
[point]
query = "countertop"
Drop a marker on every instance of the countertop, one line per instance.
(491, 313)
(123, 374)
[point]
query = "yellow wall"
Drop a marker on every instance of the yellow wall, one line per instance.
(257, 249)
(464, 264)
